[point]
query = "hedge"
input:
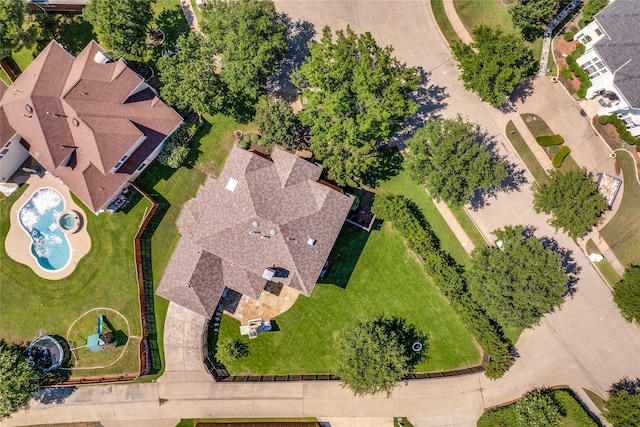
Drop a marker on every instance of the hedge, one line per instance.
(603, 120)
(549, 140)
(570, 59)
(568, 36)
(448, 275)
(573, 67)
(254, 137)
(566, 74)
(580, 48)
(560, 156)
(582, 92)
(176, 147)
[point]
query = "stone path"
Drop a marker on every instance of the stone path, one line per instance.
(190, 15)
(548, 33)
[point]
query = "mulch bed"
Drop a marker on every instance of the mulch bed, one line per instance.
(562, 47)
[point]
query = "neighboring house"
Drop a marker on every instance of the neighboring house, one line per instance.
(262, 220)
(612, 60)
(90, 121)
(57, 5)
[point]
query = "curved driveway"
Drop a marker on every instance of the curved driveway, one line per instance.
(586, 344)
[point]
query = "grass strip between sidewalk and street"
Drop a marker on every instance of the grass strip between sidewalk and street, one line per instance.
(525, 153)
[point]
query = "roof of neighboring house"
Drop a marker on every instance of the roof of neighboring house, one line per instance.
(621, 48)
(259, 213)
(80, 116)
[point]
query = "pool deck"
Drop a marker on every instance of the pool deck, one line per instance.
(18, 241)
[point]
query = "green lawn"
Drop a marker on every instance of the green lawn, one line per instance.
(525, 153)
(443, 21)
(605, 268)
(490, 12)
(469, 227)
(105, 277)
(596, 399)
(387, 279)
(622, 233)
(537, 126)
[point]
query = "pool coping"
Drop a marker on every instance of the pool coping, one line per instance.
(18, 241)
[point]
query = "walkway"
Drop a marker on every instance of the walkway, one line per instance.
(456, 22)
(190, 15)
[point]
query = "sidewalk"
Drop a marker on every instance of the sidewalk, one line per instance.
(537, 150)
(455, 226)
(190, 15)
(455, 21)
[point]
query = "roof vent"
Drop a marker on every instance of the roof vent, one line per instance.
(29, 108)
(75, 122)
(272, 232)
(311, 241)
(256, 224)
(232, 184)
(100, 58)
(269, 273)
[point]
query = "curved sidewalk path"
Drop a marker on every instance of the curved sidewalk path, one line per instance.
(586, 344)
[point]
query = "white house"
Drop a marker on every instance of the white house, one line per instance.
(612, 60)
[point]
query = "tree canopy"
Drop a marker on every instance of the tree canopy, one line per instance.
(278, 124)
(188, 76)
(11, 19)
(251, 40)
(532, 16)
(18, 379)
(494, 64)
(591, 7)
(373, 356)
(626, 294)
(356, 96)
(623, 405)
(122, 24)
(447, 158)
(517, 281)
(538, 408)
(572, 199)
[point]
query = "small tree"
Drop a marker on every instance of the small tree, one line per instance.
(230, 350)
(532, 16)
(538, 408)
(11, 19)
(278, 123)
(121, 24)
(623, 405)
(591, 7)
(626, 294)
(18, 379)
(375, 355)
(447, 159)
(572, 199)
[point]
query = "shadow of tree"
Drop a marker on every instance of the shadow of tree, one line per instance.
(626, 384)
(407, 335)
(70, 30)
(390, 165)
(54, 395)
(522, 91)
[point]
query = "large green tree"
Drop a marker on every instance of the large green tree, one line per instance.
(373, 356)
(251, 40)
(591, 7)
(188, 76)
(447, 158)
(573, 200)
(18, 379)
(11, 21)
(356, 96)
(494, 63)
(626, 294)
(532, 16)
(518, 280)
(278, 124)
(121, 24)
(623, 405)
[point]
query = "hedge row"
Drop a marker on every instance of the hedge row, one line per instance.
(549, 140)
(176, 147)
(579, 72)
(621, 127)
(560, 156)
(448, 275)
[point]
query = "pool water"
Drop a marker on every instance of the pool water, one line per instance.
(40, 218)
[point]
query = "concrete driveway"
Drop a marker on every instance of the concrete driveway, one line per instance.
(586, 344)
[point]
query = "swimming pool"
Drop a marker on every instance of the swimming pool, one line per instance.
(39, 216)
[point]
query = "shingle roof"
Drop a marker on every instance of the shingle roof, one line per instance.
(62, 105)
(620, 49)
(265, 222)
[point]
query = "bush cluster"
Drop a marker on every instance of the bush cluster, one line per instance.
(566, 74)
(621, 127)
(549, 140)
(579, 72)
(568, 36)
(448, 275)
(559, 157)
(176, 147)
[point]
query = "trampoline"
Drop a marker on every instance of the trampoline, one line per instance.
(46, 353)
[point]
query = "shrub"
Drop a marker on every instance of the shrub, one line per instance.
(538, 408)
(176, 147)
(637, 141)
(549, 140)
(603, 120)
(582, 92)
(231, 350)
(582, 23)
(560, 156)
(566, 74)
(570, 59)
(254, 138)
(625, 134)
(579, 72)
(574, 411)
(568, 36)
(573, 67)
(620, 127)
(356, 202)
(580, 48)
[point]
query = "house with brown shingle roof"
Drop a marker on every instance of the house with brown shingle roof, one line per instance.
(90, 121)
(261, 220)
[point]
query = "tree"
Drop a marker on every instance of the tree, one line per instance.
(230, 350)
(626, 294)
(251, 40)
(375, 355)
(517, 281)
(446, 157)
(278, 123)
(592, 7)
(18, 379)
(532, 16)
(188, 76)
(623, 405)
(494, 64)
(572, 199)
(122, 24)
(356, 95)
(538, 408)
(11, 20)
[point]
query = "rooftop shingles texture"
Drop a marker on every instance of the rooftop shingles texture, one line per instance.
(621, 48)
(111, 119)
(283, 196)
(6, 131)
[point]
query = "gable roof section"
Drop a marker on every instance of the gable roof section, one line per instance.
(620, 49)
(89, 111)
(276, 206)
(6, 131)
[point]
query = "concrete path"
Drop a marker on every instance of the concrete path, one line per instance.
(585, 344)
(455, 21)
(190, 15)
(455, 226)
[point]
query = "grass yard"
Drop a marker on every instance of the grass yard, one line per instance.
(596, 399)
(605, 268)
(537, 126)
(443, 22)
(490, 12)
(622, 233)
(469, 227)
(526, 154)
(105, 277)
(387, 279)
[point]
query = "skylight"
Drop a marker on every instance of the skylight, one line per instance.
(232, 184)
